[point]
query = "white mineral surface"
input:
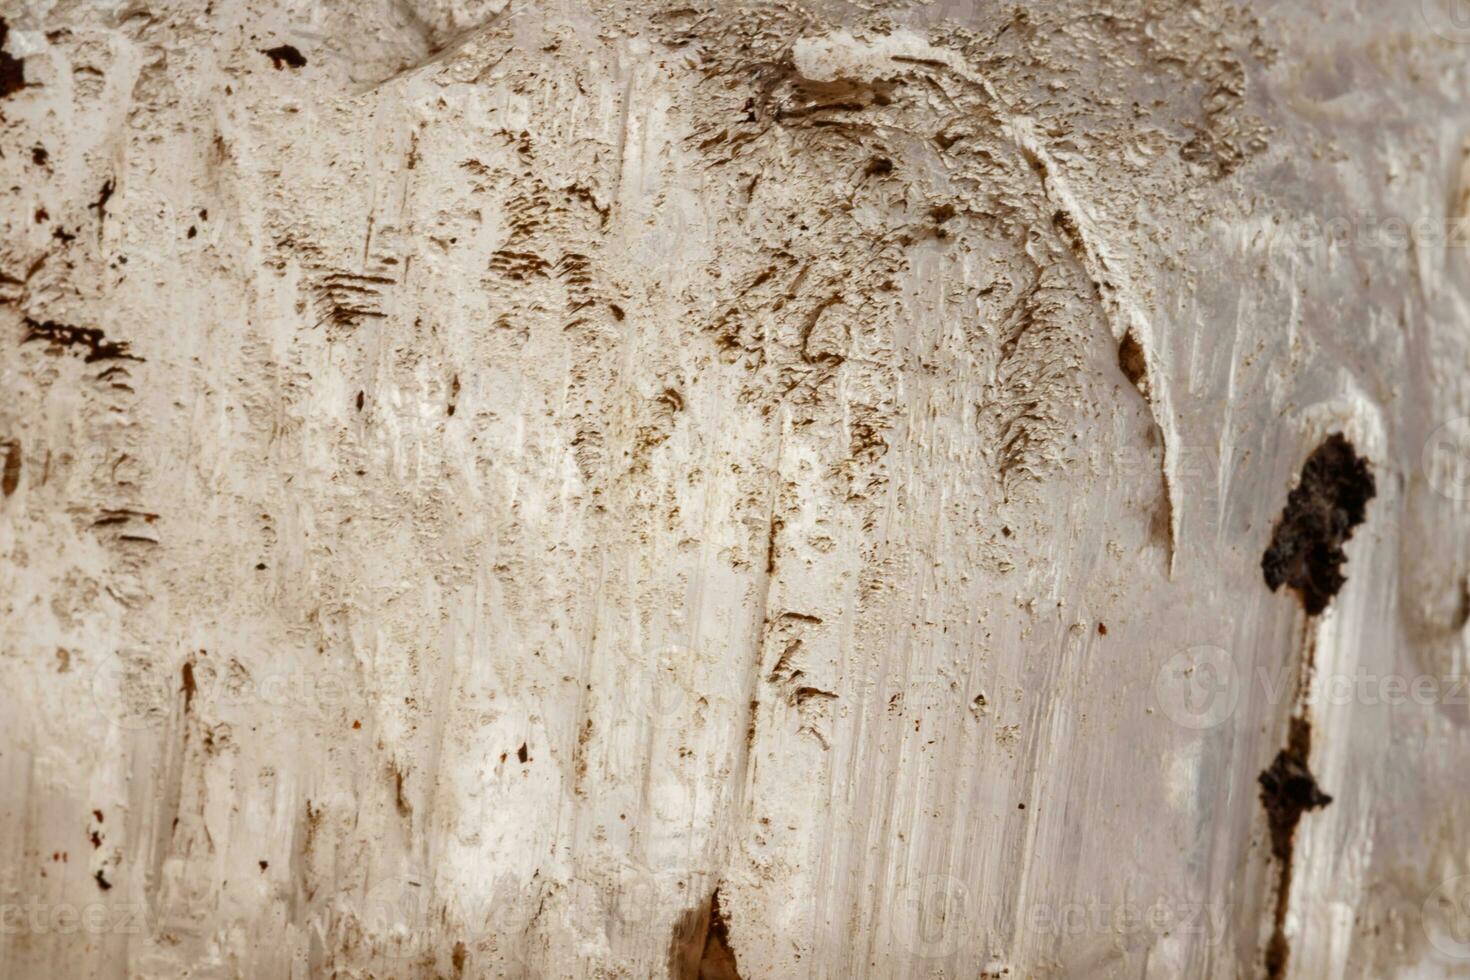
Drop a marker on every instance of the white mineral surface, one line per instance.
(696, 490)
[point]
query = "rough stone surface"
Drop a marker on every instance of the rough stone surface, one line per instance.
(636, 489)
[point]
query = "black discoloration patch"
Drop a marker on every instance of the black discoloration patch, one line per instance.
(701, 945)
(102, 881)
(1288, 789)
(284, 55)
(1329, 501)
(12, 69)
(523, 753)
(62, 335)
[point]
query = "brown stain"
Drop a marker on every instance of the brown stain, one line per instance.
(400, 799)
(10, 479)
(12, 69)
(284, 55)
(1288, 790)
(188, 685)
(1306, 554)
(1329, 501)
(460, 955)
(60, 336)
(103, 196)
(700, 949)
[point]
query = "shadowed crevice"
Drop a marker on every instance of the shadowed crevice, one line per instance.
(701, 945)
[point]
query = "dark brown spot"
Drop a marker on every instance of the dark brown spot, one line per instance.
(1288, 789)
(63, 335)
(284, 55)
(459, 956)
(10, 479)
(102, 881)
(1131, 361)
(1102, 629)
(263, 864)
(103, 196)
(1329, 501)
(523, 754)
(400, 799)
(12, 69)
(187, 685)
(39, 156)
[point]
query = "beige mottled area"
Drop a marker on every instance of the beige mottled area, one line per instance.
(547, 489)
